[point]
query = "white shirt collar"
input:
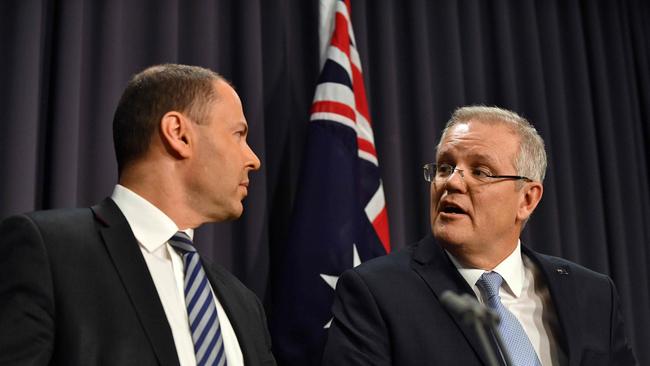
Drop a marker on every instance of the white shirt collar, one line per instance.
(151, 227)
(511, 269)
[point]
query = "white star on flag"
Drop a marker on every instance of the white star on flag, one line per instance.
(332, 280)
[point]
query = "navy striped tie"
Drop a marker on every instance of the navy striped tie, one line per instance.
(201, 308)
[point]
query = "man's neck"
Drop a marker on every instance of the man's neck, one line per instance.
(485, 260)
(165, 195)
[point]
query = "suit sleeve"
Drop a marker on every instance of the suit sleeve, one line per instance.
(26, 295)
(358, 335)
(622, 353)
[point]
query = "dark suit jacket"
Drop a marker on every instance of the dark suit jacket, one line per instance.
(387, 312)
(75, 290)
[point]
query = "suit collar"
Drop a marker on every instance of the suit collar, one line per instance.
(511, 270)
(126, 257)
(150, 226)
(440, 274)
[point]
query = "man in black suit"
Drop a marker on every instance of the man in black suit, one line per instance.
(485, 184)
(104, 285)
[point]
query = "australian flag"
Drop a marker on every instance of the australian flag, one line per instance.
(339, 217)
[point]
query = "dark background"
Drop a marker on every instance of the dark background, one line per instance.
(579, 70)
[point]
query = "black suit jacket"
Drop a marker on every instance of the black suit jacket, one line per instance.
(75, 290)
(387, 312)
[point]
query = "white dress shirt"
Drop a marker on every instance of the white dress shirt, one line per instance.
(525, 294)
(152, 228)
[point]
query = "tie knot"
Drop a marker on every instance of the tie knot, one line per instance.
(489, 284)
(182, 243)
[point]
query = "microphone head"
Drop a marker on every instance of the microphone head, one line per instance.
(455, 303)
(468, 307)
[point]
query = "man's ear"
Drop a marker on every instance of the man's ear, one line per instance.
(177, 134)
(531, 195)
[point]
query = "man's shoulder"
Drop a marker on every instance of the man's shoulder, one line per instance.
(562, 266)
(55, 224)
(395, 262)
(55, 218)
(59, 215)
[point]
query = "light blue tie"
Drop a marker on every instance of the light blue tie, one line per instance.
(201, 309)
(515, 340)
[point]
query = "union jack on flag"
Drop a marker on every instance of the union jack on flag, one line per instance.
(339, 216)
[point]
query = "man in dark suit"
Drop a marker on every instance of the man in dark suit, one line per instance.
(485, 184)
(107, 285)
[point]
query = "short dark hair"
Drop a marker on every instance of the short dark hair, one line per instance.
(152, 93)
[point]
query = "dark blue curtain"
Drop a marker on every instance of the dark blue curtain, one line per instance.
(579, 70)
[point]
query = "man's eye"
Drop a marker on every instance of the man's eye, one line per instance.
(480, 173)
(444, 170)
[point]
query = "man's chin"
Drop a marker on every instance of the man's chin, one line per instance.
(236, 211)
(448, 236)
(227, 213)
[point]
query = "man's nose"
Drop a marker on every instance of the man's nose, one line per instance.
(460, 172)
(254, 161)
(456, 181)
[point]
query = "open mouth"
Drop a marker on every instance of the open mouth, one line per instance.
(451, 208)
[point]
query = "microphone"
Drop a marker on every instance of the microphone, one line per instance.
(480, 316)
(468, 307)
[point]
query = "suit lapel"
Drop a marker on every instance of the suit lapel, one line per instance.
(561, 286)
(229, 301)
(129, 263)
(439, 273)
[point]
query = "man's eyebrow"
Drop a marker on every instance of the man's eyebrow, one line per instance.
(442, 152)
(243, 124)
(483, 158)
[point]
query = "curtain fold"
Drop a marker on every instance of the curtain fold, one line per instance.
(579, 70)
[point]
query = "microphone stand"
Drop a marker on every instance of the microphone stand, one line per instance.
(479, 316)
